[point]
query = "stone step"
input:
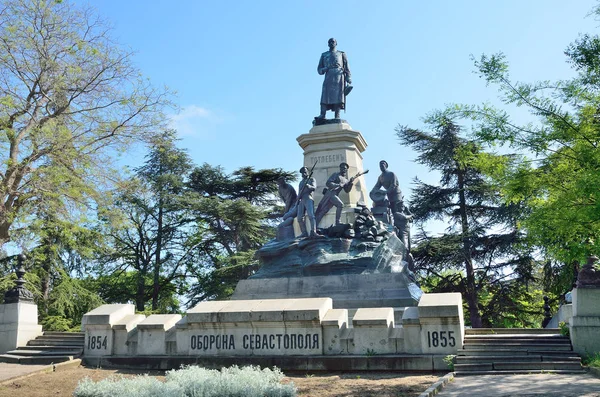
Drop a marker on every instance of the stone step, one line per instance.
(513, 352)
(52, 342)
(34, 360)
(520, 366)
(553, 342)
(499, 331)
(518, 372)
(508, 337)
(79, 334)
(523, 358)
(45, 347)
(63, 337)
(62, 352)
(517, 347)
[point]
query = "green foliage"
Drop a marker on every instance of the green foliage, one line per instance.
(450, 360)
(194, 381)
(70, 97)
(565, 330)
(483, 253)
(232, 214)
(556, 173)
(591, 360)
(150, 229)
(57, 323)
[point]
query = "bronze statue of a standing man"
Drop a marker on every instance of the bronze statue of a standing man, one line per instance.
(336, 85)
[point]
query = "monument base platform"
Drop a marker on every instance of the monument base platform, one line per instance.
(404, 363)
(348, 291)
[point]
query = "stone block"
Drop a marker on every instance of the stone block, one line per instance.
(206, 312)
(440, 305)
(373, 331)
(585, 302)
(107, 314)
(152, 333)
(310, 309)
(247, 339)
(442, 324)
(411, 325)
(382, 316)
(348, 291)
(122, 329)
(19, 324)
(335, 318)
(334, 324)
(99, 340)
(585, 334)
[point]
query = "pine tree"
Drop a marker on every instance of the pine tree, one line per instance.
(482, 247)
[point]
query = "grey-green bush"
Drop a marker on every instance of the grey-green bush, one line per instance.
(194, 382)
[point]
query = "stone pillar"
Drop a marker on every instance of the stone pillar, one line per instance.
(154, 332)
(98, 327)
(334, 324)
(330, 145)
(374, 331)
(442, 324)
(18, 314)
(585, 323)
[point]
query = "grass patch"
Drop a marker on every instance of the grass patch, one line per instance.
(591, 360)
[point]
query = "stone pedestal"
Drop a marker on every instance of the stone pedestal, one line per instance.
(585, 323)
(98, 327)
(441, 319)
(18, 325)
(330, 145)
(154, 333)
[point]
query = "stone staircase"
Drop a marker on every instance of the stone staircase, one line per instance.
(516, 351)
(50, 348)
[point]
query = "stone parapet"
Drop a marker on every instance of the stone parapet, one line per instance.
(281, 328)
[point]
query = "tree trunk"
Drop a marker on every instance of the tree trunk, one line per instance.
(140, 295)
(471, 293)
(159, 232)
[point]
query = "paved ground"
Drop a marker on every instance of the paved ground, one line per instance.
(9, 371)
(523, 386)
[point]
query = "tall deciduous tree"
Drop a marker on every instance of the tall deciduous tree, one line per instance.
(69, 96)
(482, 239)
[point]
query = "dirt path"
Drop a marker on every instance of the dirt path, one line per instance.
(63, 383)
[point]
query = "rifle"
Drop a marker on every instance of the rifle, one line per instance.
(339, 188)
(307, 178)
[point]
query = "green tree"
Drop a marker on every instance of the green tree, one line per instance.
(233, 220)
(482, 250)
(69, 98)
(149, 226)
(558, 173)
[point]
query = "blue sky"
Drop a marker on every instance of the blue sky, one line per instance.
(246, 80)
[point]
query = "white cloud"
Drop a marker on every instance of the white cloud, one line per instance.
(188, 121)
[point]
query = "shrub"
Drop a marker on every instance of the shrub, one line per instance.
(564, 328)
(194, 382)
(591, 360)
(450, 359)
